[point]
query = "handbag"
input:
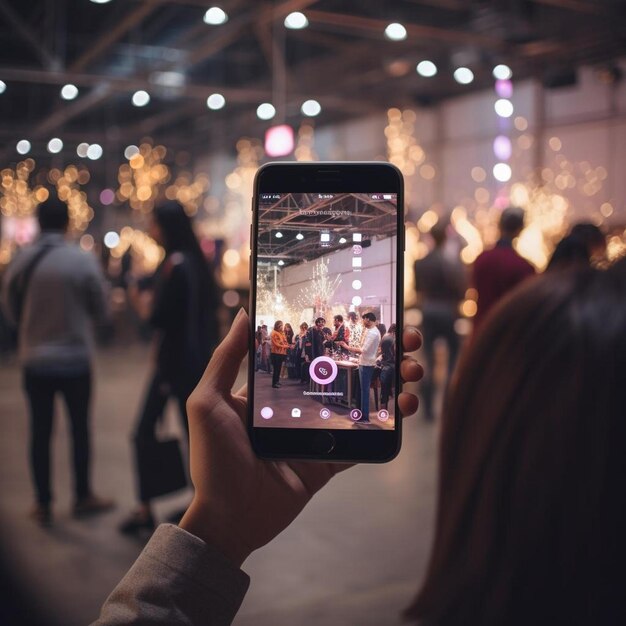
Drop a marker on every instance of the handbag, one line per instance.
(160, 467)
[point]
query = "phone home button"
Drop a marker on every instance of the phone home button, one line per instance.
(322, 442)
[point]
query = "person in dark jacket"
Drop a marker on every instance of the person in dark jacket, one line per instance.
(183, 313)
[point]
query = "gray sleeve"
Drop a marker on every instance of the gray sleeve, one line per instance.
(177, 580)
(95, 290)
(9, 306)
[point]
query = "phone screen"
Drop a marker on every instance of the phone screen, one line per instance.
(325, 311)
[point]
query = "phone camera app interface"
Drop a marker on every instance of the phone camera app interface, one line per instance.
(325, 342)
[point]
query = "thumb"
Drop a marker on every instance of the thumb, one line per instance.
(224, 365)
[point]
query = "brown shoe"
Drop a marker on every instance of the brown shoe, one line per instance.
(92, 505)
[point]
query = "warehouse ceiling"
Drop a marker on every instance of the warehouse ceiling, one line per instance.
(342, 59)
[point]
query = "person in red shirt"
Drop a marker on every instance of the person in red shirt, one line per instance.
(498, 270)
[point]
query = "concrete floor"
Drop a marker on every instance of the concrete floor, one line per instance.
(355, 556)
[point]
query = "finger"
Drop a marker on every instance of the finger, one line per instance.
(411, 339)
(224, 365)
(242, 392)
(410, 370)
(408, 403)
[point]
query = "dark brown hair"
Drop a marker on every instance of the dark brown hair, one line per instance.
(531, 505)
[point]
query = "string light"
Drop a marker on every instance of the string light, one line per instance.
(403, 150)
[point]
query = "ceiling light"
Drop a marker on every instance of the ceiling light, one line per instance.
(502, 72)
(463, 75)
(395, 32)
(311, 108)
(278, 235)
(81, 149)
(69, 91)
(504, 88)
(141, 98)
(279, 141)
(94, 152)
(296, 21)
(426, 69)
(265, 111)
(111, 239)
(502, 172)
(131, 151)
(299, 236)
(23, 146)
(55, 145)
(216, 101)
(107, 196)
(281, 262)
(502, 147)
(503, 107)
(3, 86)
(215, 16)
(101, 1)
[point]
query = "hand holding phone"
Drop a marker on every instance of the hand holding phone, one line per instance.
(242, 502)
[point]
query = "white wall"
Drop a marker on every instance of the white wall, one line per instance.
(378, 276)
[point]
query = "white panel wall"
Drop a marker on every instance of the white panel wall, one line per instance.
(377, 275)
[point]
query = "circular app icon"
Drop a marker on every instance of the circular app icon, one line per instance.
(383, 415)
(323, 370)
(356, 415)
(324, 414)
(357, 249)
(267, 413)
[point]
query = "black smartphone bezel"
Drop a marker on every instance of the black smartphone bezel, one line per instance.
(349, 445)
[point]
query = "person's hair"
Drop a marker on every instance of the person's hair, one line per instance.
(438, 233)
(304, 326)
(339, 318)
(589, 233)
(53, 214)
(178, 236)
(352, 315)
(531, 503)
(577, 247)
(382, 329)
(288, 326)
(264, 326)
(277, 324)
(369, 316)
(392, 329)
(320, 319)
(511, 221)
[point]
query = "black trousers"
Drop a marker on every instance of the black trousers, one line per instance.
(277, 364)
(76, 391)
(157, 395)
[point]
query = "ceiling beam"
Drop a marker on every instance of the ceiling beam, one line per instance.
(97, 48)
(377, 27)
(46, 56)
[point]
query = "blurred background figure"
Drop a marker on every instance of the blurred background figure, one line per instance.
(53, 292)
(498, 270)
(584, 243)
(183, 311)
(531, 506)
(387, 365)
(440, 282)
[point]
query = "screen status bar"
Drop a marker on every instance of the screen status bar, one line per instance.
(329, 196)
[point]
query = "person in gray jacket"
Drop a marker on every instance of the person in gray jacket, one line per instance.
(52, 293)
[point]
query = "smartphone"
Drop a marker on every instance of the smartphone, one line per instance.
(326, 278)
